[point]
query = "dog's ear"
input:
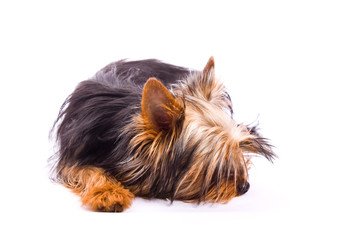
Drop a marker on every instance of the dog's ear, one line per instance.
(209, 66)
(206, 83)
(160, 109)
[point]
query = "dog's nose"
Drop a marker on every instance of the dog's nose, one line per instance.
(242, 189)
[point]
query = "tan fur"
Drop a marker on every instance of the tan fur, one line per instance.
(159, 107)
(184, 145)
(96, 189)
(210, 65)
(206, 119)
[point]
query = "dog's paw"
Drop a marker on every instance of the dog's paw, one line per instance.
(117, 207)
(113, 198)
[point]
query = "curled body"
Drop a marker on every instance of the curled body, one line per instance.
(153, 130)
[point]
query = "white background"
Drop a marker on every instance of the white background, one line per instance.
(292, 66)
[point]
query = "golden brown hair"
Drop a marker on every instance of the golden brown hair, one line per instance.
(154, 130)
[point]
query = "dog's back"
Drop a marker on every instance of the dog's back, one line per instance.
(155, 130)
(92, 118)
(124, 73)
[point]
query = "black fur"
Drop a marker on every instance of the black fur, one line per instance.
(90, 128)
(91, 120)
(124, 73)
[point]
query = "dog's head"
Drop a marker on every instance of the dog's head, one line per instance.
(188, 139)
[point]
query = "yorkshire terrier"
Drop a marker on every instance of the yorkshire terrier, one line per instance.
(153, 130)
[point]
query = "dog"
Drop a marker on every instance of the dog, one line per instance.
(153, 130)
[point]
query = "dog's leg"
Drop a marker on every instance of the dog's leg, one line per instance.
(96, 189)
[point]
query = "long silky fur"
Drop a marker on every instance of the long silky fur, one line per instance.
(100, 125)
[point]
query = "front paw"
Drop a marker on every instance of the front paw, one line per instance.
(114, 198)
(117, 207)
